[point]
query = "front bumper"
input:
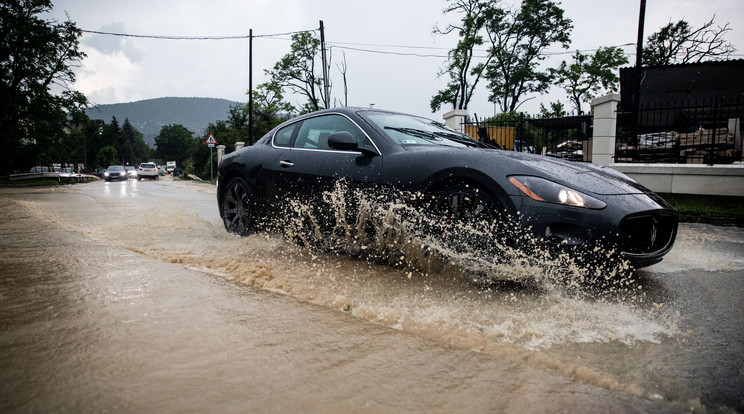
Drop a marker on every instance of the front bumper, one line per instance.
(642, 227)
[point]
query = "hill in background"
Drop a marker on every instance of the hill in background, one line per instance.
(150, 115)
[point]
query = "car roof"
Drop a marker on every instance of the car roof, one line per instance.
(346, 110)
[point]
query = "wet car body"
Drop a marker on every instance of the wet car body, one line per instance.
(562, 203)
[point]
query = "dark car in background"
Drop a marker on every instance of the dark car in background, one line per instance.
(567, 205)
(115, 172)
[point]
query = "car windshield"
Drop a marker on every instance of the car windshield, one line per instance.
(147, 165)
(116, 168)
(411, 130)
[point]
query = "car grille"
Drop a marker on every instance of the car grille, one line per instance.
(648, 232)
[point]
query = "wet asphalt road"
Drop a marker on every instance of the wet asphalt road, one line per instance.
(130, 297)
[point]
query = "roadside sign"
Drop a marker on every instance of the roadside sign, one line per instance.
(211, 141)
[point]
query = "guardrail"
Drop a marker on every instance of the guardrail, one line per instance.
(59, 176)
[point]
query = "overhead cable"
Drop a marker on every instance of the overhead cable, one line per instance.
(163, 37)
(338, 45)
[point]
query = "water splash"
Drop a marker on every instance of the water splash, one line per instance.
(396, 228)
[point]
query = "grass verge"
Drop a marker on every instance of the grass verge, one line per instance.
(718, 210)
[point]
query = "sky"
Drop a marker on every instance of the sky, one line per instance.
(392, 56)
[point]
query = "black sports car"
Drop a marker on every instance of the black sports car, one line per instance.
(562, 204)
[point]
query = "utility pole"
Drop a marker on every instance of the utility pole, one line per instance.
(326, 88)
(250, 86)
(638, 70)
(639, 42)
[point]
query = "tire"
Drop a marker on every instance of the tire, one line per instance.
(464, 203)
(460, 213)
(467, 222)
(237, 207)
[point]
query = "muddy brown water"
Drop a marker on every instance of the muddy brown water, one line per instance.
(131, 297)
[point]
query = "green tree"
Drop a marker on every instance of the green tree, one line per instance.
(519, 38)
(463, 73)
(198, 161)
(69, 148)
(135, 146)
(92, 131)
(297, 70)
(107, 156)
(269, 108)
(173, 143)
(587, 75)
(228, 132)
(126, 143)
(679, 43)
(111, 137)
(555, 110)
(35, 56)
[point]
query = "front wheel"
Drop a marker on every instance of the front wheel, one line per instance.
(464, 203)
(467, 222)
(237, 207)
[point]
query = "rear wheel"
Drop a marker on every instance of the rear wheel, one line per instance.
(237, 207)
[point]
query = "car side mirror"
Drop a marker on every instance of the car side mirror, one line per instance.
(342, 140)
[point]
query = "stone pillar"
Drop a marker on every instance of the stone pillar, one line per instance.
(220, 153)
(239, 145)
(734, 128)
(456, 119)
(605, 128)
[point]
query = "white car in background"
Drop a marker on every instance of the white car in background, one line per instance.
(148, 170)
(131, 172)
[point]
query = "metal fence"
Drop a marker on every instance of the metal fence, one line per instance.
(565, 137)
(699, 132)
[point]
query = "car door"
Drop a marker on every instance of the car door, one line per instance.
(309, 167)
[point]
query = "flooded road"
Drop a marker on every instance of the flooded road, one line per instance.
(131, 297)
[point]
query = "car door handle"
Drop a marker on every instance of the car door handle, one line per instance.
(286, 164)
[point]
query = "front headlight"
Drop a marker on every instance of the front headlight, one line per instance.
(540, 189)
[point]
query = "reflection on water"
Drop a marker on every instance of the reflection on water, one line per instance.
(127, 308)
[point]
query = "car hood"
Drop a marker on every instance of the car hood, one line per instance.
(578, 175)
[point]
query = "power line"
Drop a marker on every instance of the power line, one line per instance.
(384, 52)
(339, 45)
(387, 52)
(163, 37)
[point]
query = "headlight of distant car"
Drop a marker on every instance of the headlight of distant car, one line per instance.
(540, 189)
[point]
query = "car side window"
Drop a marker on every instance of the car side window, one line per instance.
(284, 135)
(314, 132)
